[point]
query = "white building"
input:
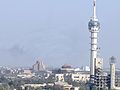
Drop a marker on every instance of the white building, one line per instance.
(59, 77)
(83, 77)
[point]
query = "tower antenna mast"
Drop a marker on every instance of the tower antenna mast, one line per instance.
(94, 9)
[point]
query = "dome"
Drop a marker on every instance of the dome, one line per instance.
(66, 66)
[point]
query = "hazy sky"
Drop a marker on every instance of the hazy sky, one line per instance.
(56, 31)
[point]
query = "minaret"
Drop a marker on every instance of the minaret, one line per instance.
(112, 73)
(93, 27)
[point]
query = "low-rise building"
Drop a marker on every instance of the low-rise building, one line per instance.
(33, 85)
(64, 85)
(81, 76)
(59, 77)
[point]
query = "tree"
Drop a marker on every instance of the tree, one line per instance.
(57, 87)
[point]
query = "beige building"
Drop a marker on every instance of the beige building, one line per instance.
(39, 66)
(26, 74)
(64, 85)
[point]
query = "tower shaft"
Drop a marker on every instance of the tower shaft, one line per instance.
(93, 55)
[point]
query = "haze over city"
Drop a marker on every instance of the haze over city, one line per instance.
(55, 31)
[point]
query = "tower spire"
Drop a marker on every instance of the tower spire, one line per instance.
(94, 9)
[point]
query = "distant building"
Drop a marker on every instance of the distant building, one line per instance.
(27, 71)
(67, 69)
(63, 85)
(32, 85)
(85, 68)
(39, 66)
(26, 74)
(59, 77)
(81, 76)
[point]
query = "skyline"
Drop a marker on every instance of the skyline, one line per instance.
(56, 31)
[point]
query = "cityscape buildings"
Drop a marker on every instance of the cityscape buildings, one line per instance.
(38, 77)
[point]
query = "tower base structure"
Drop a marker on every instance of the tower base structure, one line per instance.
(100, 79)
